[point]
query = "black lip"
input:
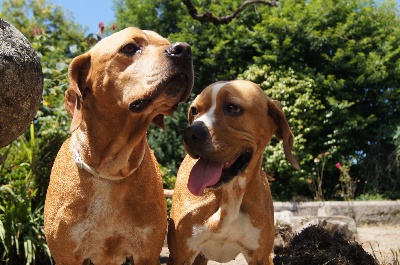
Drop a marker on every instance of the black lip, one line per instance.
(239, 166)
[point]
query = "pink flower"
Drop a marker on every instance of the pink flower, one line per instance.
(338, 165)
(113, 27)
(101, 27)
(36, 31)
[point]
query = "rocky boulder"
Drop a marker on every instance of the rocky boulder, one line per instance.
(21, 83)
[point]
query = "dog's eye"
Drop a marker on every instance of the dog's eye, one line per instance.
(232, 109)
(130, 49)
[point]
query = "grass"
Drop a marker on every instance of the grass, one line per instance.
(382, 259)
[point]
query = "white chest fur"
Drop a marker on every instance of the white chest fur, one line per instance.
(236, 234)
(103, 228)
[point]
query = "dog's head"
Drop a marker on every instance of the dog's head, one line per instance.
(231, 123)
(132, 71)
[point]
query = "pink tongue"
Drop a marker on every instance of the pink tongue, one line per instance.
(204, 173)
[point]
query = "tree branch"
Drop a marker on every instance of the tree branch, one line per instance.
(209, 17)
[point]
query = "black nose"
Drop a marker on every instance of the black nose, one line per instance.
(179, 50)
(195, 134)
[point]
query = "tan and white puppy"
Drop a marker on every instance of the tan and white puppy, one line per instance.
(105, 200)
(222, 204)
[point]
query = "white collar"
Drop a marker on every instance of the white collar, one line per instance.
(81, 164)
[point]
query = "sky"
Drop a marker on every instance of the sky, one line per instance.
(89, 13)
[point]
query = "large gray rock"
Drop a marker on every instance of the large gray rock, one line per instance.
(363, 212)
(21, 83)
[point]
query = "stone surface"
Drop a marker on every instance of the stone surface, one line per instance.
(21, 83)
(363, 212)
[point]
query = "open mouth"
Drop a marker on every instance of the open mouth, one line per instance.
(206, 173)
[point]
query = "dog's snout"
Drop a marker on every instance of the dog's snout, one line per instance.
(180, 50)
(195, 134)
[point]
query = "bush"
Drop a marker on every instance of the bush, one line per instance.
(21, 212)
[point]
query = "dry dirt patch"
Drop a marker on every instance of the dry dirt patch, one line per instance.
(380, 239)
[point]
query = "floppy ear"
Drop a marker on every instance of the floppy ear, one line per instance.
(73, 95)
(282, 131)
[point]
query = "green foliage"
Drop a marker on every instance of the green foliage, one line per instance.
(337, 46)
(347, 183)
(370, 197)
(37, 17)
(21, 214)
(161, 16)
(316, 180)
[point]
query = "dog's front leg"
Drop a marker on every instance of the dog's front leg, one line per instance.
(179, 252)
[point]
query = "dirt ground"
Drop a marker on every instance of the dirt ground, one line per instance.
(376, 239)
(380, 240)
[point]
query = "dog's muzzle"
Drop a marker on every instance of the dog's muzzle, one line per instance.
(207, 172)
(180, 53)
(178, 81)
(195, 137)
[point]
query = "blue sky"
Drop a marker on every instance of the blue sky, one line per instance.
(89, 12)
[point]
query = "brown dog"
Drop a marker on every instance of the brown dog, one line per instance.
(222, 204)
(105, 200)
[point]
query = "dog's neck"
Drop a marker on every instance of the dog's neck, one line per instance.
(233, 194)
(81, 164)
(113, 154)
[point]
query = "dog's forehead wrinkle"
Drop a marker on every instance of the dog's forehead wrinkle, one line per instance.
(156, 38)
